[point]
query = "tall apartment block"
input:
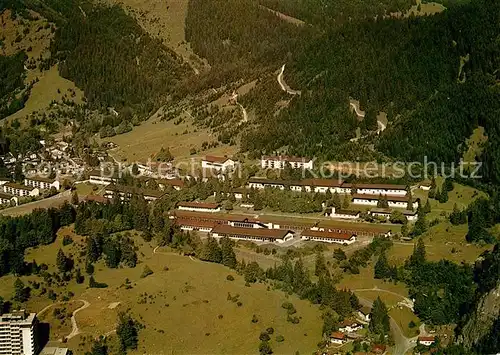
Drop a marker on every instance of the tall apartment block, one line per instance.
(17, 333)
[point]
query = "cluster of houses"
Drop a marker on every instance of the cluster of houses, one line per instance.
(11, 192)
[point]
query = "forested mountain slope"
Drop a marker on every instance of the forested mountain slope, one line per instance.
(108, 55)
(411, 68)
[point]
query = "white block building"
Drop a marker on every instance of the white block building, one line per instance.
(17, 333)
(222, 164)
(279, 162)
(16, 189)
(42, 183)
(328, 236)
(199, 207)
(393, 201)
(381, 189)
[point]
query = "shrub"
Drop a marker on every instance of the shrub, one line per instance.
(230, 277)
(94, 284)
(280, 338)
(264, 336)
(254, 319)
(67, 240)
(270, 330)
(146, 272)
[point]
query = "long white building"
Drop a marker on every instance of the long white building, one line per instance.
(17, 333)
(279, 162)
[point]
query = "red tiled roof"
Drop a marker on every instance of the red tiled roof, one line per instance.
(40, 178)
(322, 182)
(215, 159)
(197, 224)
(225, 229)
(337, 335)
(96, 198)
(207, 205)
(171, 182)
(326, 234)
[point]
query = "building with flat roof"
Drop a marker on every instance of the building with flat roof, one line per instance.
(252, 234)
(221, 164)
(17, 333)
(328, 236)
(279, 162)
(199, 207)
(55, 351)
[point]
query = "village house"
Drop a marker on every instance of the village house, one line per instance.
(176, 184)
(393, 201)
(16, 189)
(127, 192)
(42, 183)
(365, 314)
(328, 236)
(338, 338)
(349, 326)
(7, 199)
(279, 162)
(341, 213)
(261, 183)
(253, 234)
(386, 213)
(100, 177)
(199, 207)
(426, 340)
(220, 164)
(240, 192)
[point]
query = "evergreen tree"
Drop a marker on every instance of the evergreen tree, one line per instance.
(448, 184)
(420, 225)
(21, 292)
(432, 189)
(379, 319)
(347, 201)
(443, 196)
(228, 206)
(339, 254)
(336, 201)
(228, 255)
(127, 332)
(253, 272)
(98, 348)
(382, 268)
(61, 261)
(437, 195)
(418, 256)
(320, 264)
(427, 207)
(258, 204)
(74, 198)
(211, 251)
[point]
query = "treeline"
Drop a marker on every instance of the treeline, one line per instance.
(19, 233)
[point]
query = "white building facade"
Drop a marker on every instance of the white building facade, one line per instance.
(17, 333)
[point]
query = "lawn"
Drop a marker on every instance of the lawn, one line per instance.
(184, 299)
(403, 316)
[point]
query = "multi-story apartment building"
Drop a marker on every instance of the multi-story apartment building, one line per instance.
(17, 333)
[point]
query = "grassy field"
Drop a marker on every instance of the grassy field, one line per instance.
(185, 299)
(165, 20)
(35, 41)
(146, 140)
(475, 142)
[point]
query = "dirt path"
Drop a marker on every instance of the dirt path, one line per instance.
(75, 330)
(284, 17)
(283, 84)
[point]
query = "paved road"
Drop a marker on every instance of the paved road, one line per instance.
(402, 343)
(53, 201)
(283, 85)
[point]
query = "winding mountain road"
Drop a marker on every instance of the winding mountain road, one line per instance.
(284, 85)
(75, 330)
